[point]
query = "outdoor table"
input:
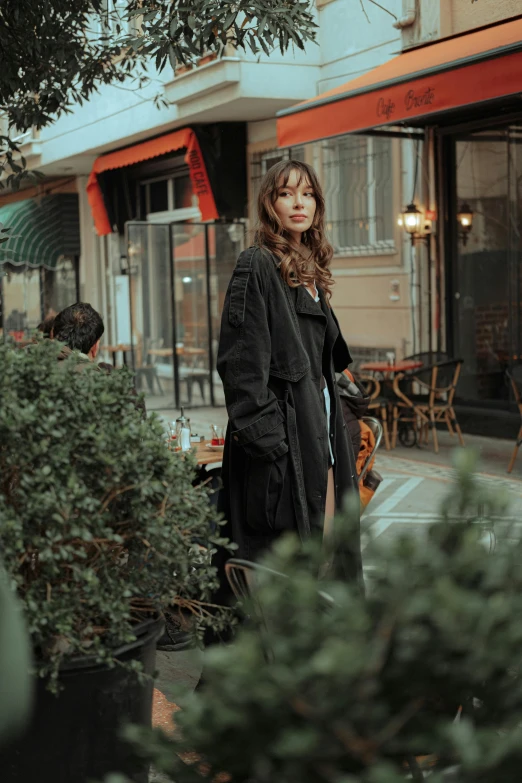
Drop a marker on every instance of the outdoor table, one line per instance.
(204, 455)
(114, 349)
(207, 456)
(389, 370)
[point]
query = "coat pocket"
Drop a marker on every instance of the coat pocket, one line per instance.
(263, 492)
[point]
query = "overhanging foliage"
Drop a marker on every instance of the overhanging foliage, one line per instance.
(56, 53)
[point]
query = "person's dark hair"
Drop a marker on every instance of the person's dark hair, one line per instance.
(310, 263)
(79, 327)
(47, 325)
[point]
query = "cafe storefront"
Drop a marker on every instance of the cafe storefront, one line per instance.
(460, 98)
(174, 208)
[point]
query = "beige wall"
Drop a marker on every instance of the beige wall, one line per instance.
(367, 316)
(48, 186)
(443, 18)
(458, 16)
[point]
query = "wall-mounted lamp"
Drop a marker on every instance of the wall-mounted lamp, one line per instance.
(414, 222)
(465, 221)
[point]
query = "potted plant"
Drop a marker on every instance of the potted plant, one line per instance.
(184, 68)
(207, 58)
(336, 687)
(99, 529)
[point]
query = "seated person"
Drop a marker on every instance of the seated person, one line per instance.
(80, 327)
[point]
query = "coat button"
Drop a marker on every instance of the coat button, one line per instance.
(236, 437)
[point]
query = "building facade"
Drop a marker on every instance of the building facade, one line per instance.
(454, 91)
(173, 201)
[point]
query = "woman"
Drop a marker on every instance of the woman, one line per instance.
(287, 463)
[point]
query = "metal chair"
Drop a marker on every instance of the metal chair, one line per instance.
(378, 403)
(439, 383)
(146, 365)
(241, 576)
(515, 376)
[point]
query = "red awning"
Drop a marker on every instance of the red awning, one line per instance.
(180, 139)
(456, 72)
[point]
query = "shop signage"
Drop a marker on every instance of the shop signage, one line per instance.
(413, 100)
(419, 99)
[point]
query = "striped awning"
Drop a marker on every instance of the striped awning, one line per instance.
(41, 230)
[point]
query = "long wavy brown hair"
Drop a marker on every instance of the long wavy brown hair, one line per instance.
(303, 264)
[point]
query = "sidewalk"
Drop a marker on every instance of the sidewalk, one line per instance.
(415, 480)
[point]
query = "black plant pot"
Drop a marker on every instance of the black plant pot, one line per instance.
(75, 737)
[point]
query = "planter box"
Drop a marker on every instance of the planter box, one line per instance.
(74, 737)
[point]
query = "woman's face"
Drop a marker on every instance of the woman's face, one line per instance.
(295, 205)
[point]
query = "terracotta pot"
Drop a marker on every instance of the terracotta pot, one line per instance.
(183, 69)
(208, 58)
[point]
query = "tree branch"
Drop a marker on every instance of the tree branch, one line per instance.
(382, 9)
(365, 12)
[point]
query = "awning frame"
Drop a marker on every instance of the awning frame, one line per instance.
(183, 138)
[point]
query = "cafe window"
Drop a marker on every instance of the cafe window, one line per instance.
(358, 184)
(60, 285)
(165, 194)
(29, 294)
(20, 298)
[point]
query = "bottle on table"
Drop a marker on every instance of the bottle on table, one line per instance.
(183, 432)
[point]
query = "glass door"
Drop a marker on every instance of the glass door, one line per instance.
(487, 268)
(178, 274)
(189, 241)
(146, 290)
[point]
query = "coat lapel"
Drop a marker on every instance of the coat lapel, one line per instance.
(305, 304)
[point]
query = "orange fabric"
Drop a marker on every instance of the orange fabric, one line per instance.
(402, 89)
(366, 447)
(365, 495)
(180, 139)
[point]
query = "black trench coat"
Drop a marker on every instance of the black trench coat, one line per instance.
(276, 345)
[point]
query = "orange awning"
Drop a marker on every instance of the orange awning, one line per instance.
(456, 72)
(180, 139)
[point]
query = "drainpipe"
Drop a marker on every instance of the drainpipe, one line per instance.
(409, 16)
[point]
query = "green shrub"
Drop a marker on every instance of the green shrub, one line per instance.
(98, 520)
(348, 692)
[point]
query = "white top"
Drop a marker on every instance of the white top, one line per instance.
(327, 400)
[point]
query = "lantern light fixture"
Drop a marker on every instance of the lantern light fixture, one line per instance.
(412, 220)
(465, 221)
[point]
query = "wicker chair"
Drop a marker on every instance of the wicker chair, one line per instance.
(378, 403)
(434, 404)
